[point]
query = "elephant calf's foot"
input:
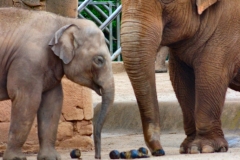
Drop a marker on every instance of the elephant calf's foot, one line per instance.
(206, 145)
(13, 155)
(48, 154)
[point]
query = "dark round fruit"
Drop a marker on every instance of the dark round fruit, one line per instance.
(114, 154)
(76, 153)
(143, 150)
(123, 155)
(134, 153)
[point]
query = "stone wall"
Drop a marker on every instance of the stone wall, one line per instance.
(75, 126)
(67, 8)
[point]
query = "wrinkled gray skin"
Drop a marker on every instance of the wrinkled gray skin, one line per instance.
(36, 50)
(203, 37)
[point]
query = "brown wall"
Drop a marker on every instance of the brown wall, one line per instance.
(67, 8)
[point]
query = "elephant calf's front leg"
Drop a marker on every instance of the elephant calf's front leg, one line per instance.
(48, 119)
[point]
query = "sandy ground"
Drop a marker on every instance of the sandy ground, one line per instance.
(171, 143)
(127, 140)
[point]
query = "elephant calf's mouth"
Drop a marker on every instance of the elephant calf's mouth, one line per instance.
(97, 89)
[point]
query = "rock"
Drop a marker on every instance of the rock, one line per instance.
(85, 143)
(73, 114)
(84, 128)
(6, 3)
(4, 128)
(5, 111)
(77, 103)
(65, 131)
(67, 8)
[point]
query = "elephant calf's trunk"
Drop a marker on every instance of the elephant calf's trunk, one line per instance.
(107, 102)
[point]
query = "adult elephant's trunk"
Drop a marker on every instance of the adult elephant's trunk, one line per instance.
(107, 101)
(141, 33)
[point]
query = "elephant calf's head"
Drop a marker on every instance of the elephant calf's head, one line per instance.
(84, 53)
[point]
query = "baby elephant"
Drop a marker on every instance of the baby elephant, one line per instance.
(36, 50)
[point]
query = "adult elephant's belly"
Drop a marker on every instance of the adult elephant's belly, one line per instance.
(235, 83)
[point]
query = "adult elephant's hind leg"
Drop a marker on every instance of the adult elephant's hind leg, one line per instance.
(48, 119)
(183, 82)
(212, 80)
(142, 77)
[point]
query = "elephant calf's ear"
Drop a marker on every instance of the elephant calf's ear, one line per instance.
(202, 5)
(63, 43)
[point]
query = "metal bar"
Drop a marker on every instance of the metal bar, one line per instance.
(118, 33)
(107, 41)
(95, 18)
(83, 5)
(81, 16)
(111, 31)
(105, 6)
(100, 11)
(101, 2)
(110, 18)
(116, 54)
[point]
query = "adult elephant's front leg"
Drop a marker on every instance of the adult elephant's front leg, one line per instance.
(141, 30)
(142, 77)
(48, 119)
(183, 82)
(145, 91)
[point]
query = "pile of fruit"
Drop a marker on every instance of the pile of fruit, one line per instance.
(132, 154)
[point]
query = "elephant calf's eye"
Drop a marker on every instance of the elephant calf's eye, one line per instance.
(98, 60)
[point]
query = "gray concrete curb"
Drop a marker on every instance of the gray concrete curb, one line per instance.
(125, 116)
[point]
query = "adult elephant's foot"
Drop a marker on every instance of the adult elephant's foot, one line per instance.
(13, 155)
(186, 144)
(159, 152)
(207, 145)
(48, 154)
(155, 148)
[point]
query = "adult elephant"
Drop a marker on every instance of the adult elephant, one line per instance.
(203, 37)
